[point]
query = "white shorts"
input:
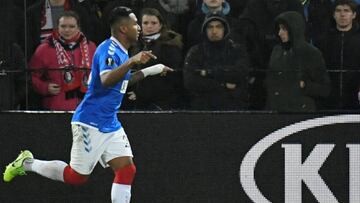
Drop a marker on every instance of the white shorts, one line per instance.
(91, 146)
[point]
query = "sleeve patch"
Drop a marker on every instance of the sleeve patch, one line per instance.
(109, 61)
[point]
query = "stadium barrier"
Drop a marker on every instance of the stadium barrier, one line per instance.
(200, 157)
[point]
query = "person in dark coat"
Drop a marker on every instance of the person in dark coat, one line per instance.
(257, 25)
(297, 74)
(340, 47)
(158, 92)
(216, 70)
(12, 76)
(12, 61)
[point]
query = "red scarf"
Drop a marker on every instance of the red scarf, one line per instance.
(73, 78)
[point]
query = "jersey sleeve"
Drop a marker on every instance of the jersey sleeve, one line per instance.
(108, 61)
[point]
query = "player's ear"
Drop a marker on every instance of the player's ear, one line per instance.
(123, 28)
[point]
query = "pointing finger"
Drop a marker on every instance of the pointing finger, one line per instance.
(149, 53)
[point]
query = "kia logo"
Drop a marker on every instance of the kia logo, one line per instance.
(307, 171)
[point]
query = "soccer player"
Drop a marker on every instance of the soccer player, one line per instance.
(98, 136)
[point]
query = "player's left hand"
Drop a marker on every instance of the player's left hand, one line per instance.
(165, 70)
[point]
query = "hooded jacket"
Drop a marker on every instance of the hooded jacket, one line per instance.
(256, 24)
(210, 65)
(291, 63)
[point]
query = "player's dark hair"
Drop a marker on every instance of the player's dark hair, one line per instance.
(119, 13)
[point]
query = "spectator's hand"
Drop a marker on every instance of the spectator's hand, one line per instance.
(142, 57)
(230, 86)
(53, 89)
(131, 96)
(302, 84)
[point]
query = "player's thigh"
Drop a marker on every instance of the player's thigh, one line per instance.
(120, 162)
(118, 152)
(87, 147)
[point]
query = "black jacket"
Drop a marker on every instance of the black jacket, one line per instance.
(161, 92)
(209, 66)
(256, 25)
(343, 60)
(291, 63)
(12, 76)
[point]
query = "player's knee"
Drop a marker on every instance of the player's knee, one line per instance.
(73, 178)
(125, 175)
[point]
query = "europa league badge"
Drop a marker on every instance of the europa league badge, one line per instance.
(68, 77)
(85, 79)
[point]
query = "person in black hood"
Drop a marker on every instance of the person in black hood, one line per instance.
(216, 70)
(339, 47)
(256, 25)
(297, 75)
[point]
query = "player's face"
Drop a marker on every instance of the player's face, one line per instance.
(283, 33)
(344, 17)
(68, 27)
(133, 29)
(215, 31)
(150, 25)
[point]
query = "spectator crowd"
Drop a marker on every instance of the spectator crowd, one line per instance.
(276, 55)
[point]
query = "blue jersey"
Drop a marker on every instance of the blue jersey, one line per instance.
(100, 104)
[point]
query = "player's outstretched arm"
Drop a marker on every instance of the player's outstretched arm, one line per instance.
(152, 70)
(114, 76)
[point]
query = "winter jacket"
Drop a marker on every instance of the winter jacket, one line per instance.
(341, 55)
(45, 70)
(291, 63)
(256, 24)
(161, 92)
(209, 66)
(12, 76)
